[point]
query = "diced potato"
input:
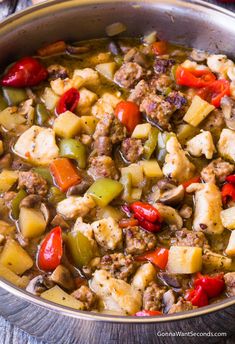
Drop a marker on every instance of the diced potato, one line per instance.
(151, 169)
(67, 125)
(106, 104)
(228, 218)
(6, 228)
(141, 131)
(15, 258)
(230, 250)
(11, 277)
(7, 179)
(50, 98)
(107, 69)
(60, 86)
(31, 222)
(86, 100)
(185, 132)
(99, 58)
(213, 261)
(10, 118)
(136, 172)
(90, 76)
(136, 194)
(57, 295)
(184, 260)
(88, 124)
(197, 111)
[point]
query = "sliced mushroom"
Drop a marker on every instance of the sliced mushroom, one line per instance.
(169, 279)
(80, 188)
(228, 108)
(31, 201)
(170, 216)
(58, 220)
(166, 184)
(45, 211)
(114, 48)
(62, 276)
(173, 196)
(168, 300)
(39, 284)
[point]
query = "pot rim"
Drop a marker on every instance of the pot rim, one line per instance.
(30, 13)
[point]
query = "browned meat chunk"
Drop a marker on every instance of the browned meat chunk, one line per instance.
(132, 149)
(185, 237)
(102, 167)
(177, 99)
(162, 66)
(20, 164)
(138, 241)
(158, 110)
(119, 265)
(86, 296)
(134, 55)
(181, 306)
(57, 71)
(5, 161)
(33, 183)
(230, 283)
(103, 145)
(139, 92)
(110, 126)
(161, 82)
(217, 171)
(152, 297)
(128, 74)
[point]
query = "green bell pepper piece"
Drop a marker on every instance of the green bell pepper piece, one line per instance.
(73, 149)
(126, 181)
(3, 103)
(151, 143)
(55, 195)
(14, 96)
(42, 114)
(80, 248)
(45, 173)
(15, 204)
(104, 190)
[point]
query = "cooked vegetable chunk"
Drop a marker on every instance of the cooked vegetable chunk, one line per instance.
(184, 260)
(10, 276)
(7, 179)
(104, 190)
(57, 295)
(31, 222)
(198, 111)
(67, 125)
(230, 250)
(226, 144)
(228, 218)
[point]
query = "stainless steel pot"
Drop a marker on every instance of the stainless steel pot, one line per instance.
(193, 23)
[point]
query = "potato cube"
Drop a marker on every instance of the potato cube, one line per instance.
(87, 99)
(136, 194)
(11, 277)
(197, 111)
(67, 125)
(141, 131)
(90, 76)
(107, 69)
(15, 258)
(57, 295)
(184, 260)
(50, 98)
(230, 250)
(88, 124)
(31, 222)
(136, 172)
(151, 169)
(228, 218)
(7, 179)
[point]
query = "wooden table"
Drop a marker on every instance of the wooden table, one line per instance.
(9, 334)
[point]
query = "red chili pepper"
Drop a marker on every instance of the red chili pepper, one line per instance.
(196, 179)
(147, 225)
(215, 91)
(68, 101)
(159, 48)
(51, 250)
(129, 114)
(213, 286)
(231, 179)
(197, 296)
(228, 192)
(28, 71)
(146, 313)
(159, 257)
(146, 211)
(193, 77)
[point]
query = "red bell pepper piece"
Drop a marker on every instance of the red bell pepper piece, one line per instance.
(146, 211)
(215, 91)
(159, 257)
(64, 173)
(129, 114)
(196, 179)
(231, 179)
(213, 286)
(197, 296)
(26, 72)
(146, 313)
(228, 192)
(147, 225)
(68, 101)
(193, 77)
(51, 250)
(159, 48)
